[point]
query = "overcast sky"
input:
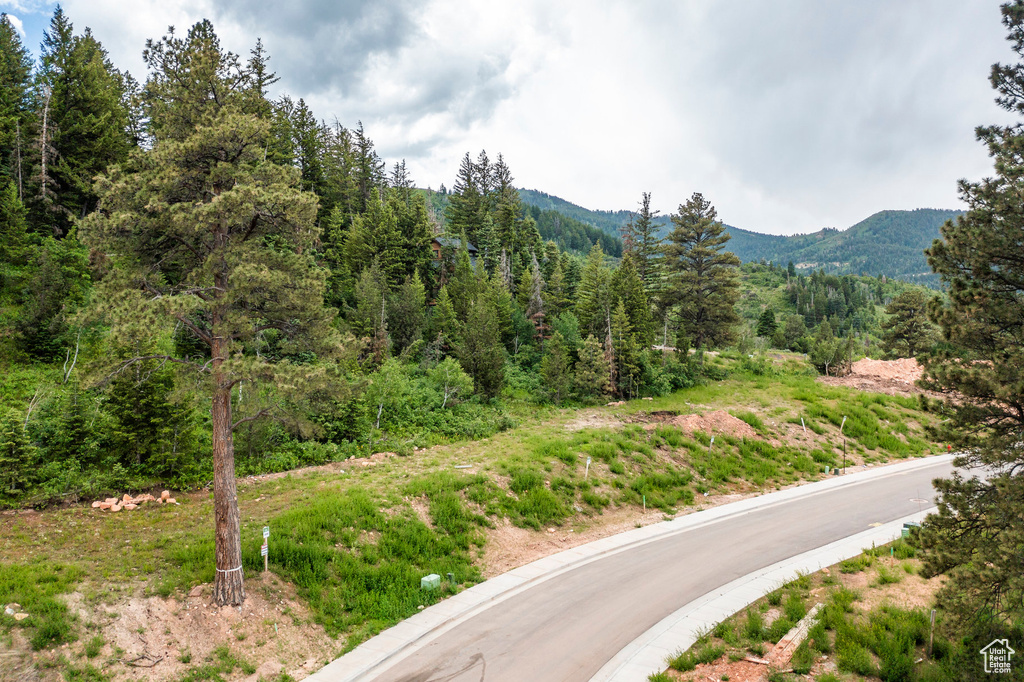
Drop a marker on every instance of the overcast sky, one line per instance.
(788, 115)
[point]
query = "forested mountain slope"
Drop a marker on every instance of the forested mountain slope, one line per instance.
(887, 243)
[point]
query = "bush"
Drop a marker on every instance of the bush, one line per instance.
(856, 659)
(753, 629)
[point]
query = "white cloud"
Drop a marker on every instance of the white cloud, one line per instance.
(788, 115)
(16, 23)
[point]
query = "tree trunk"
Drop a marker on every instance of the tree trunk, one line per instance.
(228, 585)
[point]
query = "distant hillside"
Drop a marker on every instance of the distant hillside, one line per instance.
(887, 243)
(609, 222)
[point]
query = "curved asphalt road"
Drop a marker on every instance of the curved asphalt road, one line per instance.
(565, 628)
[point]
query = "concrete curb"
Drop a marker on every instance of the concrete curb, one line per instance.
(677, 632)
(392, 645)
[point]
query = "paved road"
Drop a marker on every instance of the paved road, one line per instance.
(564, 629)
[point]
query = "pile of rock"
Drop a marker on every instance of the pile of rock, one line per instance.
(130, 503)
(15, 611)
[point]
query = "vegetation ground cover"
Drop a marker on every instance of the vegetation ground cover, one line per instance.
(355, 544)
(873, 624)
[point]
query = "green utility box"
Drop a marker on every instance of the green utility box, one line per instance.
(430, 582)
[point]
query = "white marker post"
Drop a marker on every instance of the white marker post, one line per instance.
(586, 472)
(844, 443)
(803, 425)
(265, 549)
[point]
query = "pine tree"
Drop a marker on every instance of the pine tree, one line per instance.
(555, 368)
(227, 254)
(626, 353)
(592, 371)
(766, 324)
(908, 331)
(594, 300)
(444, 322)
(628, 288)
(406, 313)
(977, 537)
(640, 237)
(375, 235)
(702, 278)
(480, 351)
(17, 455)
(86, 124)
(15, 104)
(370, 318)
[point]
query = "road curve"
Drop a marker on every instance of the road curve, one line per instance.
(566, 627)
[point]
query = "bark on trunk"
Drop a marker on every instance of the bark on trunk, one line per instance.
(228, 587)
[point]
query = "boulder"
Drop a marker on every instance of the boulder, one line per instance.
(129, 506)
(115, 507)
(126, 498)
(96, 504)
(171, 500)
(104, 506)
(165, 495)
(111, 500)
(20, 616)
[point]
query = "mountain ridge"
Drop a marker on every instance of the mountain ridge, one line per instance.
(889, 242)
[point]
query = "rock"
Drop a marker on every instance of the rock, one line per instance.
(126, 498)
(616, 403)
(195, 591)
(171, 500)
(20, 616)
(648, 398)
(111, 500)
(96, 504)
(104, 506)
(165, 494)
(115, 507)
(131, 507)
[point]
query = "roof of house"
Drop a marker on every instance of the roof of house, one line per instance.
(455, 243)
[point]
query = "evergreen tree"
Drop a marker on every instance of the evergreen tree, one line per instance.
(556, 369)
(370, 318)
(592, 372)
(149, 431)
(444, 322)
(977, 537)
(628, 288)
(702, 278)
(766, 324)
(640, 237)
(406, 313)
(466, 207)
(86, 124)
(908, 331)
(226, 254)
(375, 235)
(594, 300)
(15, 104)
(480, 351)
(626, 353)
(17, 455)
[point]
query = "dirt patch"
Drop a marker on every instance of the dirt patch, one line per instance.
(593, 419)
(161, 639)
(711, 423)
(892, 377)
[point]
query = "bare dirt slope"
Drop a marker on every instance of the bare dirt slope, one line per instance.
(892, 377)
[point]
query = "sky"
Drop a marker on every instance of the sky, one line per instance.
(788, 115)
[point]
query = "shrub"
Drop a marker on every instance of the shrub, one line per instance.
(753, 629)
(856, 659)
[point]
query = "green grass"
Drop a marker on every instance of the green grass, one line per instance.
(35, 587)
